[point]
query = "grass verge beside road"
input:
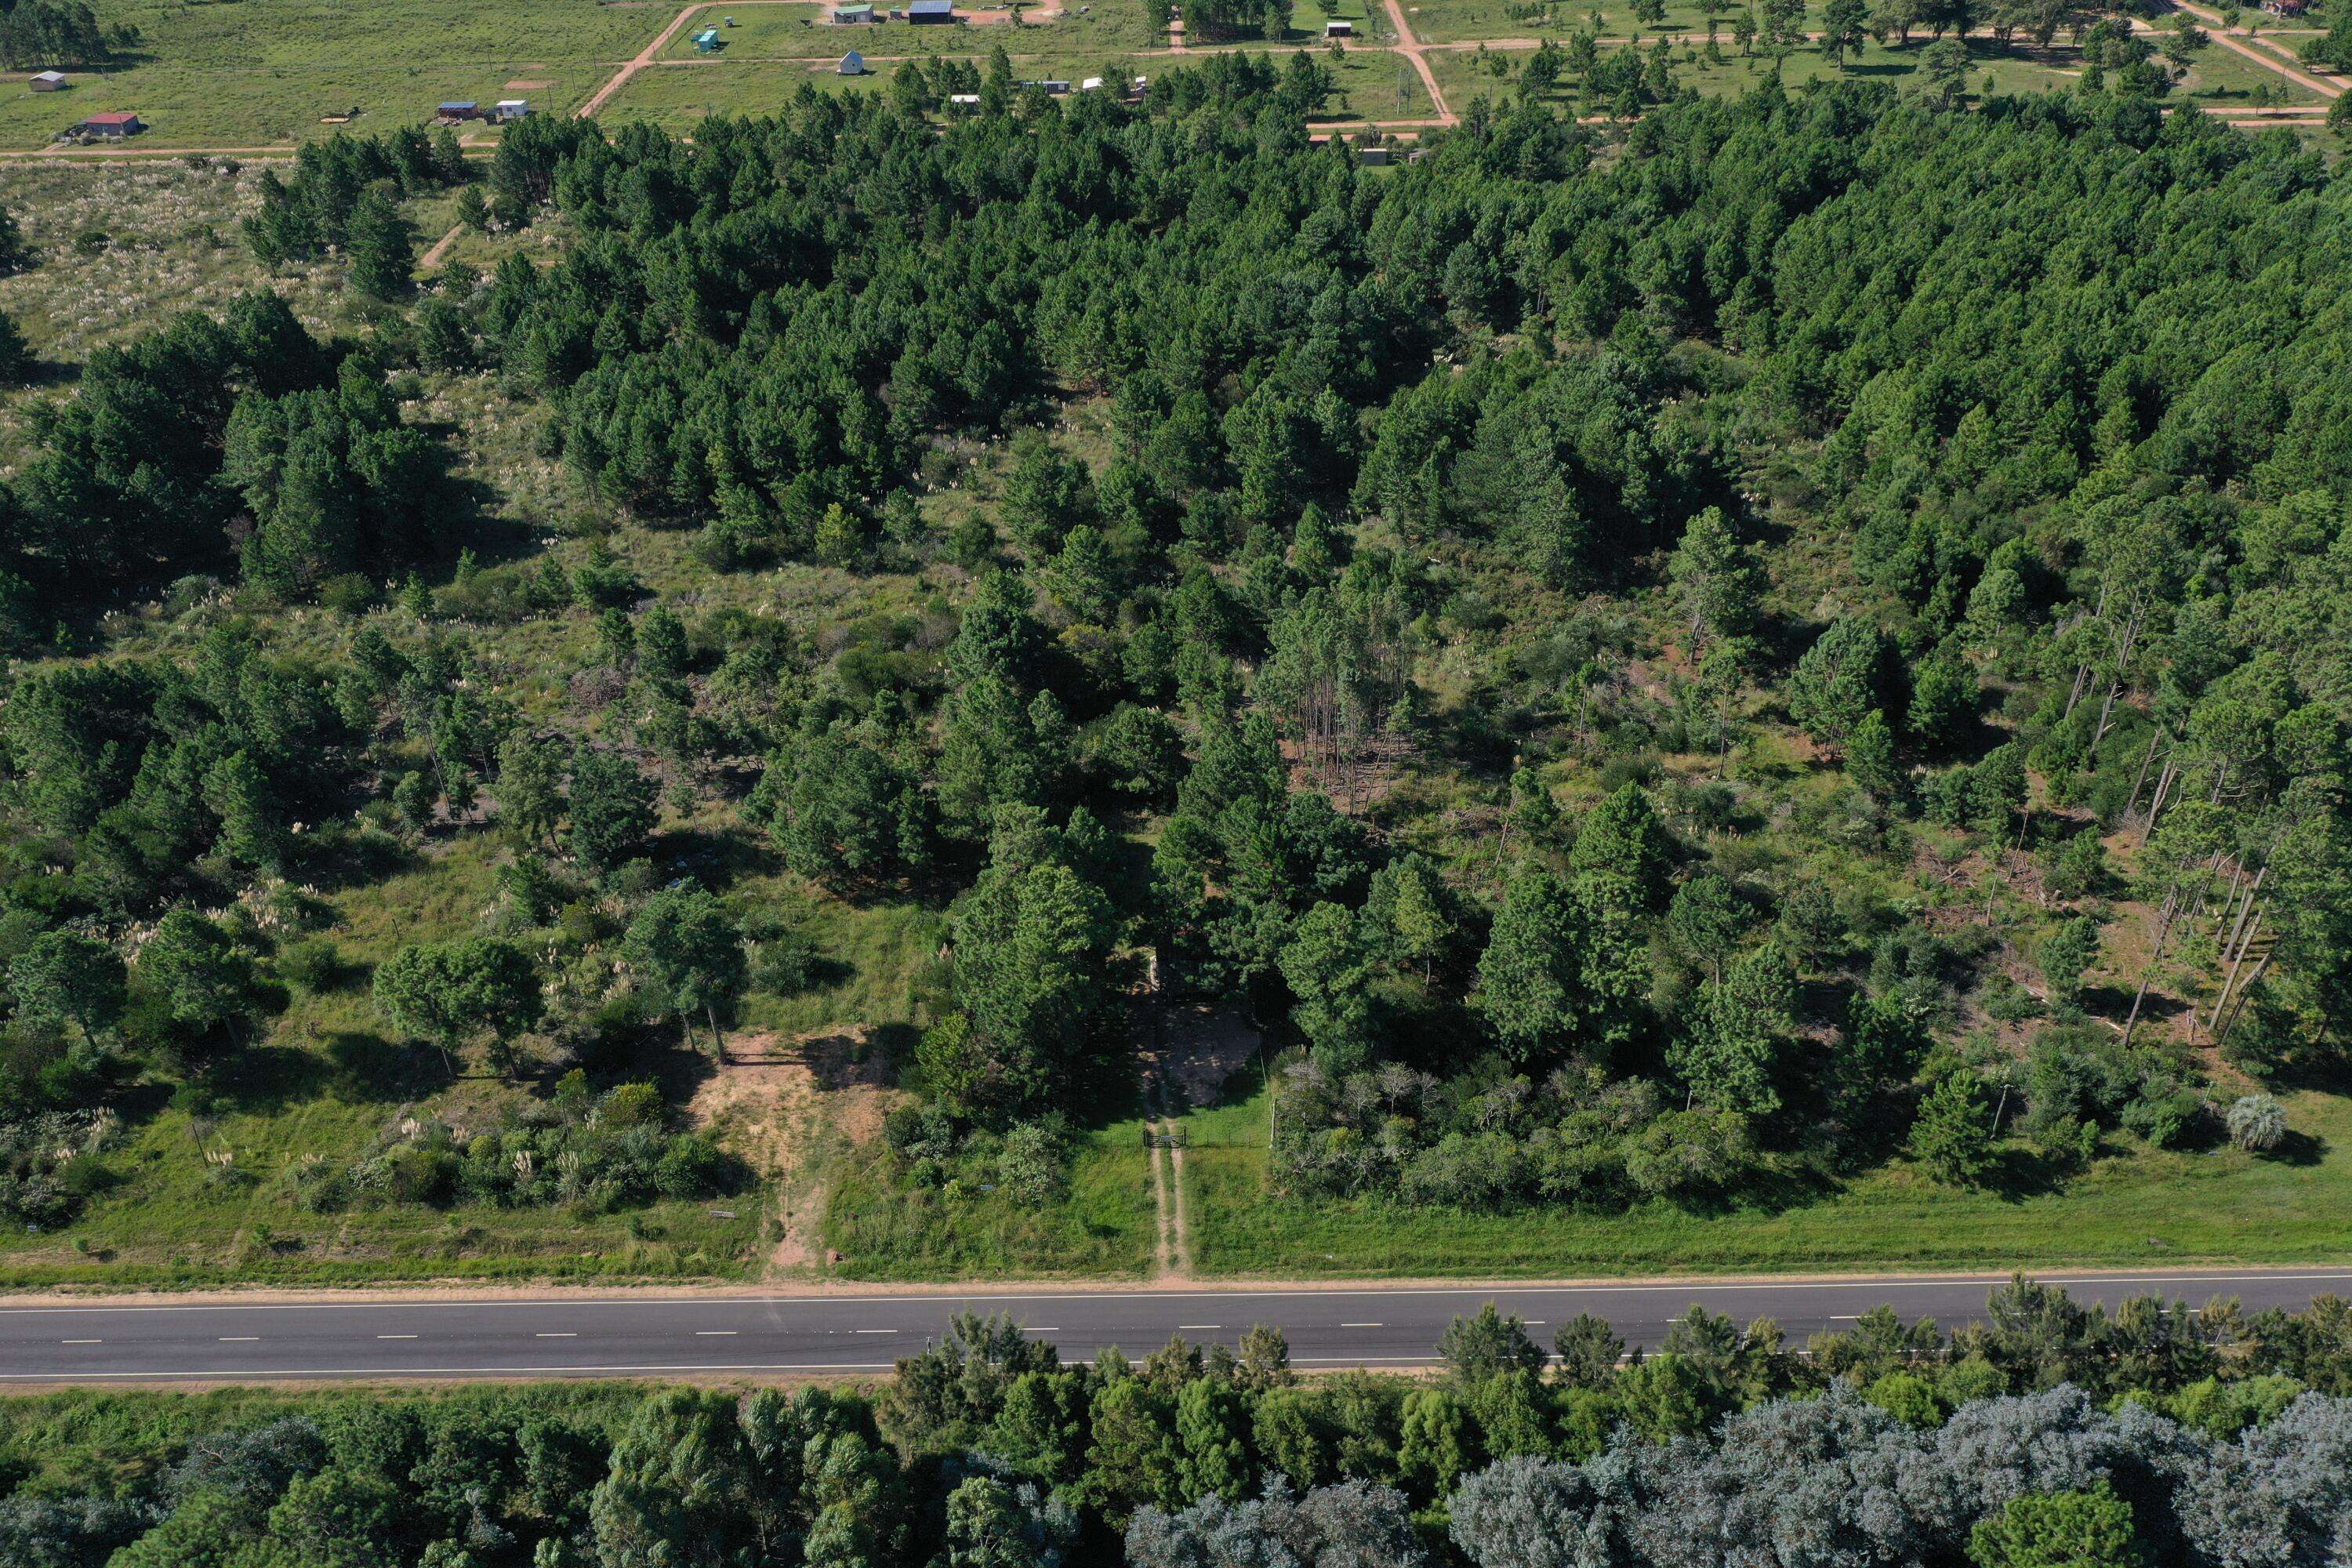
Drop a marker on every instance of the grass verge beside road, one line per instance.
(2146, 1208)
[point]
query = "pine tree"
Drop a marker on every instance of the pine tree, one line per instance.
(1716, 579)
(383, 247)
(1952, 1138)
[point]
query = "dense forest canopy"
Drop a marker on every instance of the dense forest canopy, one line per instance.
(1666, 670)
(2068, 532)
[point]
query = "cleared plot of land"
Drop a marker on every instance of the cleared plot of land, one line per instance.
(2216, 80)
(1370, 21)
(262, 71)
(1371, 84)
(1447, 21)
(2222, 79)
(2143, 1207)
(806, 32)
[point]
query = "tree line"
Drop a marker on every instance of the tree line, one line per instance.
(2048, 1432)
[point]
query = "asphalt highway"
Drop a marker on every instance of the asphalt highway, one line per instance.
(752, 1334)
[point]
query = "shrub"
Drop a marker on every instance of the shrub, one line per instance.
(316, 964)
(2257, 1122)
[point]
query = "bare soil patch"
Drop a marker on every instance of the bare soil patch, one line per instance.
(776, 1103)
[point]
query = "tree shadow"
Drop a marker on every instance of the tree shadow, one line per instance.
(363, 1068)
(353, 857)
(51, 373)
(2299, 1149)
(2021, 1173)
(266, 1079)
(718, 857)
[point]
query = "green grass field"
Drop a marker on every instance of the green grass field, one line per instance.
(1370, 21)
(1466, 74)
(1372, 84)
(806, 32)
(263, 71)
(2137, 1209)
(1451, 21)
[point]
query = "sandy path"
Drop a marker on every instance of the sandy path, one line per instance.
(620, 78)
(1410, 48)
(2231, 39)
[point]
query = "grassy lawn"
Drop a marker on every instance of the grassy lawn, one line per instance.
(1102, 1226)
(1370, 20)
(2137, 1209)
(2223, 79)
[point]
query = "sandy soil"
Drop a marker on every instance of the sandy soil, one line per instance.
(774, 1104)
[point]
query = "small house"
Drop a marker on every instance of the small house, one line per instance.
(2286, 7)
(48, 81)
(1336, 28)
(114, 127)
(707, 41)
(507, 108)
(1092, 84)
(853, 64)
(930, 11)
(964, 100)
(1373, 157)
(857, 16)
(468, 110)
(1056, 86)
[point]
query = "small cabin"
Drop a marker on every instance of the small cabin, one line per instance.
(507, 108)
(1337, 29)
(1373, 157)
(964, 100)
(468, 110)
(707, 41)
(930, 11)
(851, 16)
(114, 127)
(1092, 84)
(853, 64)
(48, 81)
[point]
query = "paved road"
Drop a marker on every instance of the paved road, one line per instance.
(589, 1335)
